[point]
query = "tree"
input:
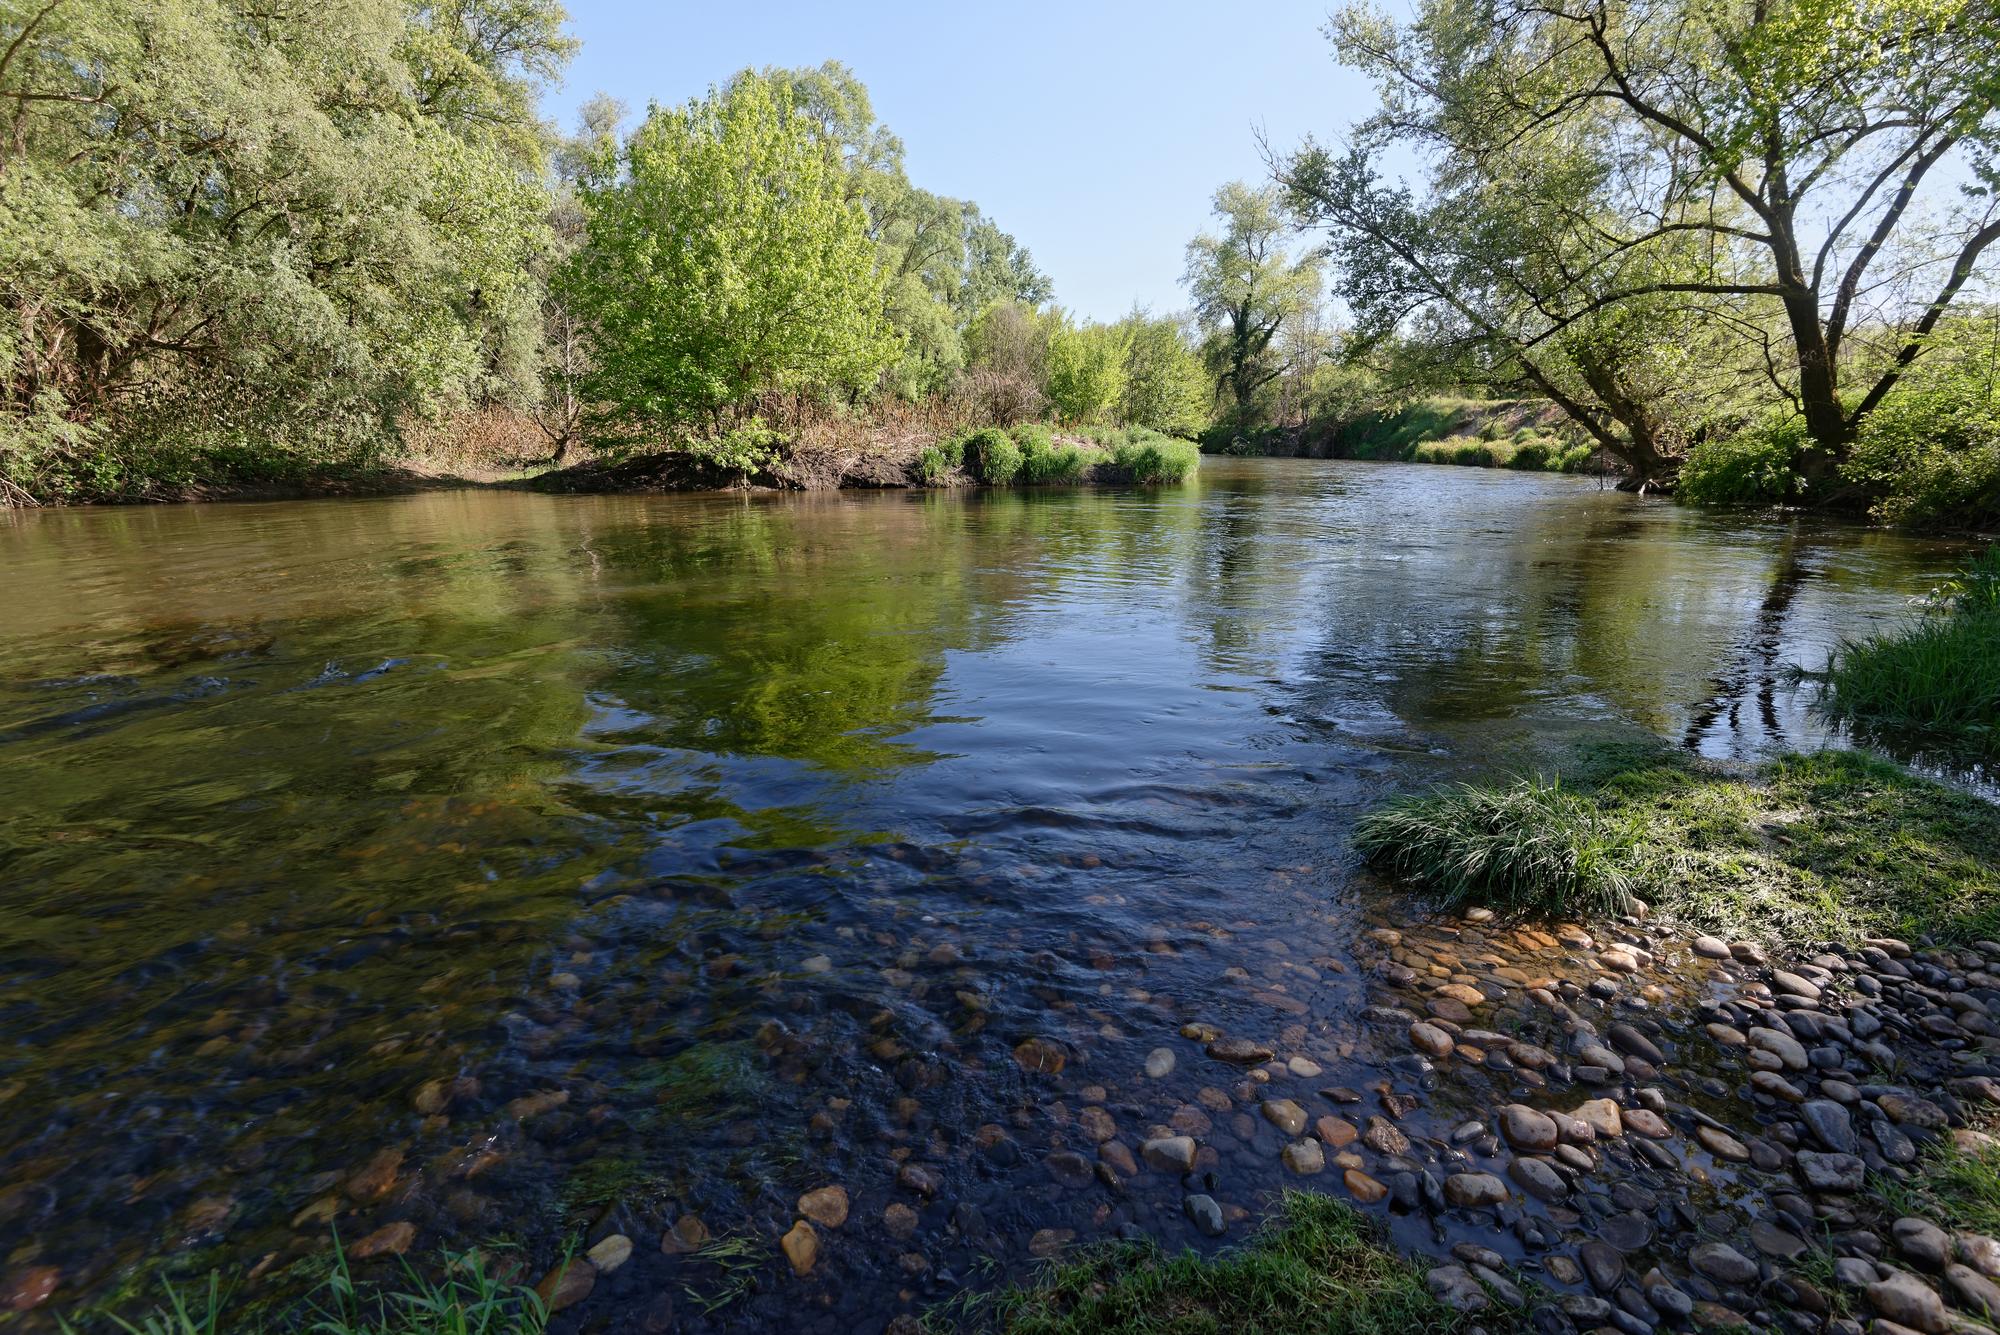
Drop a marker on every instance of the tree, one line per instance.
(1086, 369)
(1166, 386)
(1738, 155)
(728, 260)
(281, 229)
(1245, 284)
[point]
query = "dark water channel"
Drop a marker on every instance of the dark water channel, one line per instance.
(529, 868)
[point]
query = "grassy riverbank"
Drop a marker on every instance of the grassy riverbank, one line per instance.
(1525, 434)
(1316, 1266)
(1828, 846)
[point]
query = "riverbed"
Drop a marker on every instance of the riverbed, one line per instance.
(526, 868)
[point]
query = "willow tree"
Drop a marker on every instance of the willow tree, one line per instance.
(725, 260)
(266, 230)
(1803, 158)
(1245, 283)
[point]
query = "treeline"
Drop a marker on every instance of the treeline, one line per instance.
(262, 242)
(1744, 247)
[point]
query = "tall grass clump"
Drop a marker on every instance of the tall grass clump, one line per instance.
(465, 1300)
(937, 463)
(1937, 678)
(1527, 848)
(1147, 457)
(1045, 460)
(1317, 1267)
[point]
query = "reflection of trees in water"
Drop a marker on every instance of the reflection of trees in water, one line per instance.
(1749, 674)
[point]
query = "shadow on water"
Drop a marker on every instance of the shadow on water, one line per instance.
(524, 868)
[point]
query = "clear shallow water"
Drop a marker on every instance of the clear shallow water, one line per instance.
(759, 830)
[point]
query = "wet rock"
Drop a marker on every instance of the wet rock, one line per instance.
(899, 1219)
(1304, 1157)
(1972, 1290)
(1663, 1294)
(826, 1206)
(1791, 985)
(1602, 1263)
(377, 1178)
(1922, 1241)
(1069, 1168)
(610, 1253)
(1527, 1129)
(1908, 1301)
(1723, 1263)
(1337, 1132)
(1170, 1154)
(1538, 1179)
(1980, 1252)
(1206, 1215)
(915, 1177)
(568, 1284)
(1711, 948)
(1303, 1067)
(1120, 1159)
(29, 1288)
(1160, 1063)
(1046, 1242)
(1239, 1050)
(1383, 1137)
(1721, 1144)
(1043, 1056)
(1098, 1124)
(1630, 1231)
(1774, 1086)
(1363, 1187)
(801, 1247)
(1430, 1040)
(1474, 1190)
(1631, 1042)
(1286, 1115)
(1831, 1172)
(1748, 952)
(388, 1240)
(1646, 1122)
(687, 1234)
(1601, 1116)
(1454, 1286)
(1788, 1050)
(1771, 1240)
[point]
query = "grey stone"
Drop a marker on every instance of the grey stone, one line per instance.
(1206, 1214)
(1830, 1125)
(1922, 1241)
(1723, 1263)
(1831, 1172)
(1454, 1286)
(1908, 1301)
(1538, 1179)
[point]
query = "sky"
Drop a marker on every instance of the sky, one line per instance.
(1095, 133)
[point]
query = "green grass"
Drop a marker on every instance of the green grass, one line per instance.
(992, 456)
(1935, 682)
(1956, 1189)
(1316, 1268)
(463, 1300)
(1829, 846)
(1526, 848)
(1148, 458)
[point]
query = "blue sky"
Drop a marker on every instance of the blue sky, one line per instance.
(1095, 133)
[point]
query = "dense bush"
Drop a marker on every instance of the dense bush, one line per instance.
(1143, 456)
(1930, 454)
(992, 456)
(1753, 466)
(1045, 460)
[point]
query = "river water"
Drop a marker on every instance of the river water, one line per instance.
(723, 847)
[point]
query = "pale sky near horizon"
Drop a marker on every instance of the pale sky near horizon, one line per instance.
(1095, 133)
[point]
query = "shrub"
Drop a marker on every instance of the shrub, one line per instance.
(992, 456)
(1148, 457)
(1930, 455)
(1751, 467)
(1044, 460)
(936, 463)
(1530, 847)
(1532, 455)
(743, 449)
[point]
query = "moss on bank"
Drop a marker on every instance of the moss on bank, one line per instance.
(1828, 846)
(1316, 1267)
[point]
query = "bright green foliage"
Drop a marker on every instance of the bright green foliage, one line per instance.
(1166, 387)
(942, 260)
(1930, 454)
(237, 239)
(1754, 466)
(1045, 460)
(1317, 1266)
(1531, 847)
(1086, 370)
(726, 261)
(1149, 458)
(992, 456)
(938, 462)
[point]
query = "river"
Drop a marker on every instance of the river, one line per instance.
(525, 868)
